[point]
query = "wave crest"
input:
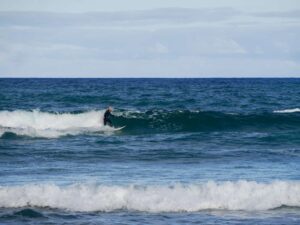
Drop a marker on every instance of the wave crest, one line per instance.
(240, 195)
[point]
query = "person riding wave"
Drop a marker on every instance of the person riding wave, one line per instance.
(107, 115)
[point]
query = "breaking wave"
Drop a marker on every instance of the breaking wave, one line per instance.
(51, 125)
(239, 195)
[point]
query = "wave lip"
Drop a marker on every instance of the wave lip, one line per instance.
(239, 195)
(287, 110)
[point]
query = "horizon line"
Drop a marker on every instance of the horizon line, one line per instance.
(146, 77)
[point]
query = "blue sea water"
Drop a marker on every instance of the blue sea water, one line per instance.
(194, 151)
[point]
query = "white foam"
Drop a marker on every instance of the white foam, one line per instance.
(129, 113)
(43, 124)
(240, 195)
(288, 110)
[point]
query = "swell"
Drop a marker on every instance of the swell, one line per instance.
(197, 121)
(45, 124)
(239, 195)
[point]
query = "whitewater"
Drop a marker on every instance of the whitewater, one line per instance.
(240, 195)
(51, 125)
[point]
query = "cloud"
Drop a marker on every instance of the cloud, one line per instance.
(121, 18)
(280, 14)
(139, 18)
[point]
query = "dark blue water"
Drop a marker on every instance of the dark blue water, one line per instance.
(209, 151)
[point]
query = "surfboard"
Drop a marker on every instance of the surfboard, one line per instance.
(119, 128)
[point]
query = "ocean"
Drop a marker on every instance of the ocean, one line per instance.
(194, 151)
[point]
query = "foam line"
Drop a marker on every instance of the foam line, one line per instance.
(239, 195)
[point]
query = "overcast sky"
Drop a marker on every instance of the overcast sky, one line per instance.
(154, 38)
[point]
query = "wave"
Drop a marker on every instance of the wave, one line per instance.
(239, 195)
(288, 110)
(51, 125)
(198, 121)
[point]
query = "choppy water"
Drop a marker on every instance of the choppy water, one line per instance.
(209, 151)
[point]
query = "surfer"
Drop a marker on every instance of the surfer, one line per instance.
(107, 114)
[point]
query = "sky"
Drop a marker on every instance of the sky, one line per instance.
(154, 38)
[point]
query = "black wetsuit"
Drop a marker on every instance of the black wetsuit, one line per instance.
(106, 119)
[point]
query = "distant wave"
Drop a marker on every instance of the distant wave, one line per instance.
(288, 110)
(240, 195)
(51, 125)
